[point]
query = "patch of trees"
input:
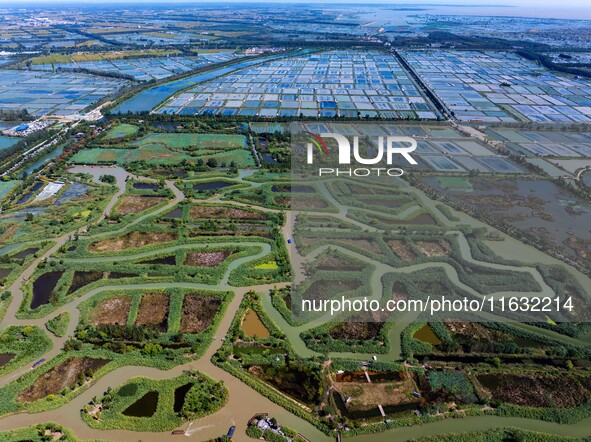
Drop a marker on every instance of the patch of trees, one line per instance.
(109, 179)
(15, 115)
(547, 62)
(25, 143)
(468, 42)
(109, 332)
(203, 398)
(96, 72)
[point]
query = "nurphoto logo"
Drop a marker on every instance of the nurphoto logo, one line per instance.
(374, 154)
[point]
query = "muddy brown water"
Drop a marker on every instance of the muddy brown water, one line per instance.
(427, 335)
(253, 326)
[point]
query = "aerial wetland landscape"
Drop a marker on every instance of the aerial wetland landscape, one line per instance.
(164, 229)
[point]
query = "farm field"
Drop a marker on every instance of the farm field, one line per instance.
(176, 259)
(439, 148)
(164, 275)
(50, 93)
(171, 148)
(329, 84)
(141, 69)
(500, 87)
(121, 130)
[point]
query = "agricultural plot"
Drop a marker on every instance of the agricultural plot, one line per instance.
(350, 336)
(113, 310)
(148, 39)
(132, 204)
(74, 204)
(192, 141)
(64, 375)
(120, 130)
(396, 227)
(440, 149)
(166, 149)
(533, 390)
(556, 152)
(138, 318)
(501, 87)
(198, 312)
(144, 69)
(150, 154)
(132, 240)
(467, 339)
(153, 311)
(62, 93)
(329, 84)
(201, 263)
(357, 399)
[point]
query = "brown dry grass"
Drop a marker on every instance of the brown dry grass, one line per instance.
(308, 203)
(356, 330)
(9, 231)
(401, 249)
(339, 263)
(206, 259)
(366, 396)
(153, 311)
(432, 248)
(224, 212)
(63, 375)
(561, 391)
(112, 310)
(132, 240)
(136, 204)
(365, 244)
(198, 312)
(471, 330)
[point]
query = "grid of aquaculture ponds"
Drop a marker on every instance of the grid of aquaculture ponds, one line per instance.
(545, 143)
(153, 38)
(500, 86)
(53, 93)
(348, 84)
(145, 69)
(439, 148)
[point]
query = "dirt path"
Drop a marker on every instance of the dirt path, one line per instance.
(243, 401)
(234, 413)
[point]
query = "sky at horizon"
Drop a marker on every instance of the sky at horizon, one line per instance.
(488, 3)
